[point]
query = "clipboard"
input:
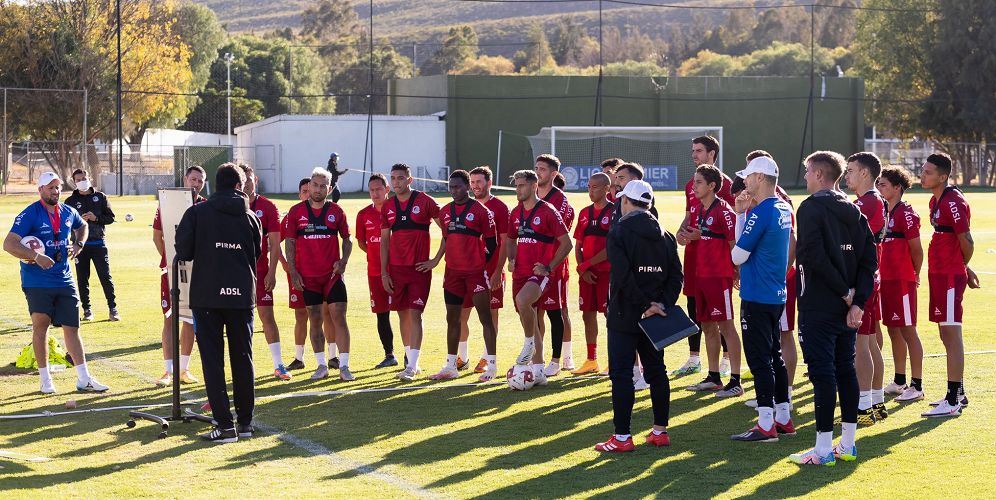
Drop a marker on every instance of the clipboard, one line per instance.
(666, 330)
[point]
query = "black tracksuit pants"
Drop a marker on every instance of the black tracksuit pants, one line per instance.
(98, 255)
(237, 324)
(828, 346)
(623, 348)
(763, 350)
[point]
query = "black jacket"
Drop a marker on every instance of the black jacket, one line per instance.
(644, 269)
(97, 203)
(835, 252)
(223, 238)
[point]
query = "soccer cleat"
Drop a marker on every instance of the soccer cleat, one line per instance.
(221, 436)
(297, 364)
(758, 435)
(661, 439)
(614, 445)
(447, 373)
(943, 410)
(525, 355)
(488, 375)
(751, 403)
(334, 363)
(731, 392)
(689, 368)
(724, 367)
(881, 412)
(706, 385)
(847, 456)
(113, 315)
(165, 381)
(568, 364)
(812, 458)
(894, 388)
(387, 362)
(91, 385)
(281, 373)
(87, 315)
(640, 383)
(321, 372)
(187, 378)
(552, 369)
(589, 366)
(345, 375)
(482, 365)
(245, 431)
(462, 364)
(910, 394)
(206, 408)
(786, 429)
(48, 387)
(605, 372)
(539, 377)
(407, 375)
(963, 402)
(746, 375)
(866, 417)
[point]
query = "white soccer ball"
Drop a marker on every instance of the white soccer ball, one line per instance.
(520, 378)
(33, 243)
(129, 217)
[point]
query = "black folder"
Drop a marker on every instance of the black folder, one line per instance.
(666, 330)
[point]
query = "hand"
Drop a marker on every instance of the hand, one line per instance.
(388, 284)
(541, 269)
(44, 261)
(736, 283)
(681, 237)
(973, 279)
(655, 308)
(89, 217)
(854, 317)
(588, 277)
(849, 298)
(270, 280)
(339, 267)
(495, 280)
(296, 280)
(286, 268)
(693, 234)
(743, 202)
(424, 267)
(74, 250)
(583, 267)
(511, 265)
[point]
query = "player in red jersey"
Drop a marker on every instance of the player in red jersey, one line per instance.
(951, 248)
(480, 185)
(266, 275)
(593, 226)
(311, 237)
(860, 176)
(547, 168)
(471, 242)
(406, 270)
(609, 168)
(902, 258)
(193, 178)
(537, 244)
(368, 223)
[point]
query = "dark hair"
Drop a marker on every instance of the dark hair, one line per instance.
(638, 203)
(757, 153)
(710, 143)
(829, 162)
(246, 169)
(402, 166)
(482, 170)
(528, 175)
(377, 176)
(868, 161)
(552, 161)
(898, 176)
(942, 161)
(559, 181)
(711, 174)
(229, 176)
(602, 177)
(303, 182)
(78, 171)
(633, 168)
(612, 163)
(462, 175)
(194, 168)
(737, 185)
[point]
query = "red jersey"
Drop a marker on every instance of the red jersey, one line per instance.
(465, 228)
(558, 200)
(409, 224)
(368, 231)
(694, 207)
(157, 224)
(903, 226)
(537, 231)
(872, 205)
(316, 234)
(500, 211)
(718, 224)
(269, 218)
(723, 194)
(950, 217)
(593, 227)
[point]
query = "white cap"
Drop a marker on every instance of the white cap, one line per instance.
(638, 191)
(46, 178)
(761, 164)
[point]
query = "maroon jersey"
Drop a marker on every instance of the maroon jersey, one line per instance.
(536, 231)
(269, 218)
(950, 216)
(593, 227)
(500, 211)
(903, 226)
(718, 224)
(368, 231)
(694, 208)
(409, 224)
(157, 223)
(872, 205)
(723, 194)
(465, 228)
(316, 234)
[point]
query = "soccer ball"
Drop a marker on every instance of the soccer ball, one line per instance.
(34, 244)
(520, 377)
(129, 217)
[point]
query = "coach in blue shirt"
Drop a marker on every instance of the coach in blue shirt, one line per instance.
(40, 237)
(762, 254)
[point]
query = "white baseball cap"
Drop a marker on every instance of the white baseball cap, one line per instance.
(639, 191)
(46, 178)
(761, 164)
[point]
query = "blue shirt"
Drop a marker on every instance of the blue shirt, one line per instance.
(766, 236)
(35, 221)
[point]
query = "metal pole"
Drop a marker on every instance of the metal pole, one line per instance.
(228, 68)
(498, 161)
(414, 57)
(6, 145)
(120, 128)
(812, 76)
(86, 109)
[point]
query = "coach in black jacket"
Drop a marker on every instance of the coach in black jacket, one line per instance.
(223, 238)
(644, 278)
(96, 211)
(836, 260)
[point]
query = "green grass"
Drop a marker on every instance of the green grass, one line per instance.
(455, 442)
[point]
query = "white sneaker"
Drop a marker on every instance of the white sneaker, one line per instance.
(539, 377)
(525, 355)
(447, 373)
(91, 386)
(640, 383)
(489, 374)
(552, 369)
(568, 364)
(943, 410)
(910, 394)
(894, 388)
(408, 374)
(724, 368)
(48, 387)
(751, 403)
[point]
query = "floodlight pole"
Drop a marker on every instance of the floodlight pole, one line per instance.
(228, 67)
(117, 13)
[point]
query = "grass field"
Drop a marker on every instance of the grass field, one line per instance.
(467, 441)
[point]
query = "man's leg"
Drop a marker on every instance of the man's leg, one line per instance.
(316, 333)
(524, 301)
(239, 328)
(954, 348)
(622, 352)
(102, 263)
(865, 369)
(271, 333)
(83, 277)
(186, 349)
(342, 337)
(39, 344)
(878, 372)
(655, 373)
(454, 307)
(790, 355)
(300, 332)
(482, 302)
(729, 334)
(818, 339)
(899, 352)
(210, 340)
(847, 385)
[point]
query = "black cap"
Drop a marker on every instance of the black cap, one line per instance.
(737, 186)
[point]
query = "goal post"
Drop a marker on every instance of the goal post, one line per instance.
(664, 152)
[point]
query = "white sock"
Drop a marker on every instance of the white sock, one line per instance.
(765, 417)
(408, 352)
(45, 375)
(847, 432)
(694, 359)
(343, 360)
(657, 432)
(530, 342)
(320, 358)
(782, 413)
(622, 437)
(637, 372)
(790, 394)
(864, 400)
(490, 358)
(451, 361)
(184, 363)
(333, 350)
(878, 396)
(824, 443)
(275, 354)
(413, 355)
(462, 351)
(169, 366)
(567, 354)
(299, 352)
(538, 368)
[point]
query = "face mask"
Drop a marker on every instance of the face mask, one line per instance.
(83, 185)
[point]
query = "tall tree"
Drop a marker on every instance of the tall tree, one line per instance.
(459, 46)
(537, 55)
(352, 84)
(570, 40)
(330, 20)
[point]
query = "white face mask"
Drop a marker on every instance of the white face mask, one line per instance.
(83, 185)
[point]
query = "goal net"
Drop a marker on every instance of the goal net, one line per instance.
(664, 152)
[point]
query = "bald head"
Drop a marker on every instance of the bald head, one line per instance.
(598, 187)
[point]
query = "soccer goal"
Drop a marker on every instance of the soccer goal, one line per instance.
(664, 152)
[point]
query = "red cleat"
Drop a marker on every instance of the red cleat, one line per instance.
(613, 445)
(658, 439)
(786, 429)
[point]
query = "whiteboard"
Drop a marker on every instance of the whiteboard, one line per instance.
(173, 202)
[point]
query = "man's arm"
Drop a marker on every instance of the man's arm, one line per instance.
(867, 265)
(812, 255)
(290, 248)
(347, 249)
(563, 250)
(675, 279)
(106, 214)
(967, 245)
(433, 262)
(916, 253)
(80, 235)
(12, 245)
(510, 248)
(270, 280)
(185, 236)
(159, 241)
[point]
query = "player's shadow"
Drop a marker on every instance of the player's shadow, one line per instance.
(124, 351)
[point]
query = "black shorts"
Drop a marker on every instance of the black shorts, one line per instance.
(337, 293)
(61, 304)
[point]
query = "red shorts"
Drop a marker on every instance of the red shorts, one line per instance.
(411, 288)
(898, 301)
(873, 311)
(595, 297)
(498, 295)
(296, 301)
(263, 298)
(549, 299)
(465, 284)
(327, 289)
(946, 294)
(787, 322)
(713, 299)
(380, 301)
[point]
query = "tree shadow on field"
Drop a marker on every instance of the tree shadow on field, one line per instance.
(112, 353)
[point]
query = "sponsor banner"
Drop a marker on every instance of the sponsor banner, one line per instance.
(661, 177)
